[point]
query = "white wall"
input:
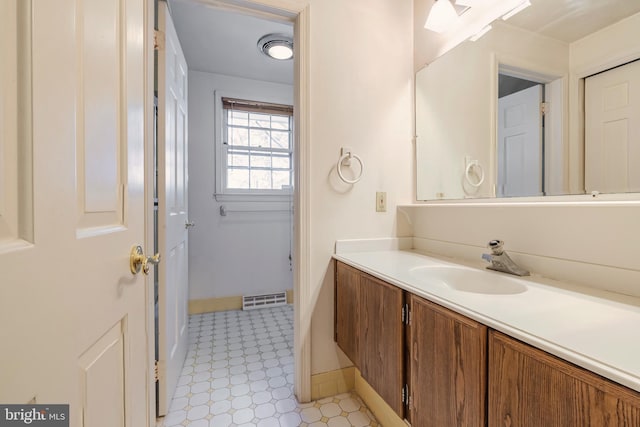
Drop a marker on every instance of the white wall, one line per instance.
(242, 253)
(361, 84)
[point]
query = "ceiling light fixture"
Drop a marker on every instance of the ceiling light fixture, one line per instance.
(276, 46)
(441, 16)
(525, 4)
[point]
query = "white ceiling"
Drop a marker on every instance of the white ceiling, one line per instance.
(225, 42)
(571, 20)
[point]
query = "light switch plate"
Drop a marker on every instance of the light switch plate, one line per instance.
(381, 201)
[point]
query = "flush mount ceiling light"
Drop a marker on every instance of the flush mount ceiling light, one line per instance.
(441, 16)
(276, 46)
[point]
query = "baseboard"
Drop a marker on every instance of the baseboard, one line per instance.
(209, 305)
(383, 412)
(332, 383)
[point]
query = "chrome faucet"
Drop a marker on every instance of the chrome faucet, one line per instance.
(500, 261)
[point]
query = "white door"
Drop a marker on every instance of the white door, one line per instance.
(612, 130)
(172, 210)
(520, 143)
(72, 315)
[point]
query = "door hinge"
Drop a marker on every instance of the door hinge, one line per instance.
(158, 40)
(156, 375)
(544, 108)
(406, 314)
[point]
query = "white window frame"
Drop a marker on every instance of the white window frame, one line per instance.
(223, 194)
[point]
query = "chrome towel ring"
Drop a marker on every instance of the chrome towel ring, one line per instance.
(345, 160)
(479, 173)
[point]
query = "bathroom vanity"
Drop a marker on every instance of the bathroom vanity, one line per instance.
(446, 344)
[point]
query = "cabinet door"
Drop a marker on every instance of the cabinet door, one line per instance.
(381, 340)
(347, 324)
(447, 367)
(529, 387)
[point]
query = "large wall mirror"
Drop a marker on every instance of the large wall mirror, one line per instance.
(546, 103)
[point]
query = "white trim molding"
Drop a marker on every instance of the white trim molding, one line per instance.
(302, 213)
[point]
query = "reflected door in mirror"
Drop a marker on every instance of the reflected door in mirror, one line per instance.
(612, 130)
(520, 143)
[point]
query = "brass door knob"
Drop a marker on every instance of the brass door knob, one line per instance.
(139, 261)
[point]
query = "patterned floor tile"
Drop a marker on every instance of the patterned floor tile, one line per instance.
(239, 372)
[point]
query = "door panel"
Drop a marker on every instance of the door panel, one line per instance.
(448, 367)
(347, 311)
(12, 140)
(100, 169)
(520, 143)
(172, 210)
(102, 380)
(99, 147)
(381, 342)
(612, 129)
(74, 314)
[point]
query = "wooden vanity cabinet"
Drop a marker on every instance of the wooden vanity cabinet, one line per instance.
(447, 368)
(529, 387)
(369, 329)
(461, 374)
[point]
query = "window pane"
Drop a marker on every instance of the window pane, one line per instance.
(236, 158)
(280, 179)
(238, 178)
(238, 137)
(260, 120)
(260, 138)
(281, 161)
(251, 163)
(261, 179)
(260, 160)
(280, 122)
(280, 139)
(239, 118)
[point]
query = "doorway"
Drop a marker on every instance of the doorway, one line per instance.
(217, 210)
(530, 135)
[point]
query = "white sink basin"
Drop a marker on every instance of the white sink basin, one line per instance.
(467, 280)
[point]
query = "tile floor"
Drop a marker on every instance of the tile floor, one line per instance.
(239, 372)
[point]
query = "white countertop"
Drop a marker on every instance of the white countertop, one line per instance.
(597, 330)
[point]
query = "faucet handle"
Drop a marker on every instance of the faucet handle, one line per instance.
(496, 246)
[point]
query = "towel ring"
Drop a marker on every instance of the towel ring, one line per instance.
(467, 173)
(347, 157)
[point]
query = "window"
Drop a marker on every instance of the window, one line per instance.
(257, 147)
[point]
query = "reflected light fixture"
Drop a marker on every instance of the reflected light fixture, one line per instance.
(276, 46)
(441, 16)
